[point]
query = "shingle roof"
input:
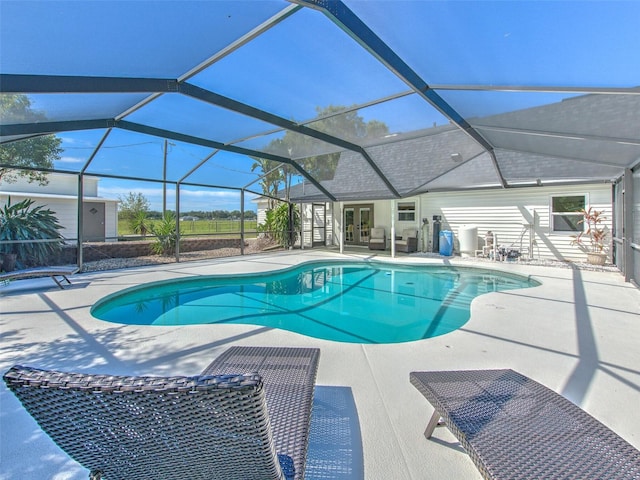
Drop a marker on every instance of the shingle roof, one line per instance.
(423, 160)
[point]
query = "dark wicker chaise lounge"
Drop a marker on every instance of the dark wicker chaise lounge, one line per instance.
(247, 416)
(515, 428)
(52, 272)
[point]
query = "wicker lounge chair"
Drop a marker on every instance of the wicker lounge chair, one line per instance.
(250, 424)
(378, 239)
(408, 241)
(515, 428)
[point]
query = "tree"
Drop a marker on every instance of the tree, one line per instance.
(349, 126)
(38, 152)
(132, 205)
(140, 223)
(272, 177)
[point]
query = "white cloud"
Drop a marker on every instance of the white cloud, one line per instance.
(117, 190)
(71, 160)
(203, 200)
(226, 194)
(76, 142)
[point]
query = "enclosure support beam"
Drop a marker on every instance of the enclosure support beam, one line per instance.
(46, 128)
(80, 219)
(177, 220)
(234, 105)
(628, 226)
(157, 87)
(159, 132)
(242, 221)
(342, 16)
(341, 242)
(80, 222)
(394, 209)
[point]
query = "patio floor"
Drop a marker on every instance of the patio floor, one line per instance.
(578, 333)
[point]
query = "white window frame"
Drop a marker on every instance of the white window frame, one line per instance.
(553, 214)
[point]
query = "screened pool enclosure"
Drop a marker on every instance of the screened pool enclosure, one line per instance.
(314, 102)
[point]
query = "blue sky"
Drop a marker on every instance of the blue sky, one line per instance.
(304, 63)
(140, 156)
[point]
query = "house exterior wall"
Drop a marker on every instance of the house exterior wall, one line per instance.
(60, 196)
(262, 206)
(382, 217)
(331, 231)
(502, 212)
(306, 223)
(505, 212)
(311, 234)
(59, 184)
(66, 211)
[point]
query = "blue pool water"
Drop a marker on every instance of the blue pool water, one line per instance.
(357, 302)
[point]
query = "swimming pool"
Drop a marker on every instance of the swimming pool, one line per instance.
(348, 301)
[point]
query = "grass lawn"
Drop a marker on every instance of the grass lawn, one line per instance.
(203, 227)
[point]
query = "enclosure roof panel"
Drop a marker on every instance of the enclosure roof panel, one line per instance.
(342, 99)
(122, 39)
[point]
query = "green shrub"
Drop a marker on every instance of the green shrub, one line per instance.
(140, 223)
(166, 235)
(21, 222)
(280, 227)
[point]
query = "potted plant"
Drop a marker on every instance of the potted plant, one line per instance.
(593, 238)
(20, 225)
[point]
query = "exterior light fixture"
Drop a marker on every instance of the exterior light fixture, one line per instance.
(456, 157)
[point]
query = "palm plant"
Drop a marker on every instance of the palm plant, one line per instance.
(31, 233)
(140, 223)
(271, 177)
(166, 235)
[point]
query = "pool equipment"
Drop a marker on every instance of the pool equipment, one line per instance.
(425, 235)
(437, 220)
(468, 237)
(446, 243)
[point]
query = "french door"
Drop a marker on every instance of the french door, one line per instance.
(358, 220)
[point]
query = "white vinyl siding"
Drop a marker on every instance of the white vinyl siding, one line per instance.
(60, 196)
(506, 213)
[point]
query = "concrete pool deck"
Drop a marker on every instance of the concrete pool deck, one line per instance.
(578, 333)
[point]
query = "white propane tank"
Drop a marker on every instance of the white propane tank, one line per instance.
(468, 237)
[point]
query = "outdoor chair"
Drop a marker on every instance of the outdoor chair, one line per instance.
(408, 241)
(515, 428)
(247, 416)
(57, 274)
(378, 239)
